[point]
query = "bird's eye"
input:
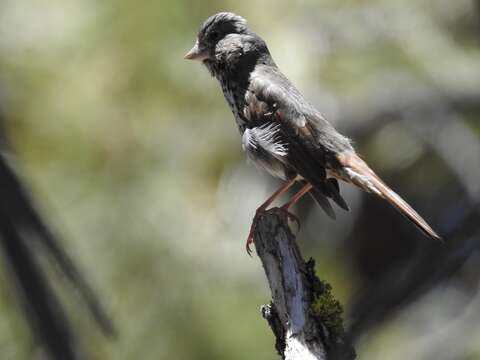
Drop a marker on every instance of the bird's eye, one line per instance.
(214, 35)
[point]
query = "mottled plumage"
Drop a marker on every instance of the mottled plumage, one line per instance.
(281, 131)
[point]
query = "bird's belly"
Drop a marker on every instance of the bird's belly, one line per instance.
(265, 161)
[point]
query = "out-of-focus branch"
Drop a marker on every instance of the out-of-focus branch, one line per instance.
(386, 103)
(304, 316)
(23, 233)
(435, 119)
(431, 116)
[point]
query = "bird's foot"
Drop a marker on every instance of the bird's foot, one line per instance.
(291, 216)
(249, 241)
(252, 232)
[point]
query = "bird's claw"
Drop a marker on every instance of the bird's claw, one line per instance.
(251, 233)
(248, 244)
(250, 237)
(292, 217)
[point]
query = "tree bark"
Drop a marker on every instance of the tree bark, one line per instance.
(304, 316)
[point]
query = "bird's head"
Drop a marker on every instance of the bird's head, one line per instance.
(212, 34)
(223, 39)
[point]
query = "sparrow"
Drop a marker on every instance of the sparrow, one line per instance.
(281, 131)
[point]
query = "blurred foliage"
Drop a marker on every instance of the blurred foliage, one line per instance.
(135, 158)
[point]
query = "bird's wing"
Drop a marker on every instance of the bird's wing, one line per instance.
(272, 98)
(314, 145)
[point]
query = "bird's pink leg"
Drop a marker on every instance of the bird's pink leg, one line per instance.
(262, 208)
(305, 189)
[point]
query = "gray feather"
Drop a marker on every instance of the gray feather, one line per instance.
(323, 202)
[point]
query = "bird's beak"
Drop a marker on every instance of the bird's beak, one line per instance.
(196, 54)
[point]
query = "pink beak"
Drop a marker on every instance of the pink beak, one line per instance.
(196, 54)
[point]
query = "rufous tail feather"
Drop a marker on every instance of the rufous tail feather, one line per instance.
(356, 171)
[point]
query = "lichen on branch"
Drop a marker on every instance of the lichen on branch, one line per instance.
(305, 317)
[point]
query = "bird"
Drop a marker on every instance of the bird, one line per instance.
(281, 132)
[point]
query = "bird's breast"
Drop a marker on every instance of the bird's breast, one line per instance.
(266, 149)
(236, 102)
(261, 139)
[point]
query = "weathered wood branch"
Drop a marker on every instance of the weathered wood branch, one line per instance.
(304, 316)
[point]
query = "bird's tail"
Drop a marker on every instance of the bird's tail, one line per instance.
(356, 171)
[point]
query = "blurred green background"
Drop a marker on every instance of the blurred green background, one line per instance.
(136, 161)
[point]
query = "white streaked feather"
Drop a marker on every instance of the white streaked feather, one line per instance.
(265, 137)
(363, 180)
(247, 140)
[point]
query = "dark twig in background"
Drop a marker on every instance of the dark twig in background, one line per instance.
(412, 266)
(22, 234)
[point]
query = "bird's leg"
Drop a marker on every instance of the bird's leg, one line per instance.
(305, 189)
(262, 208)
